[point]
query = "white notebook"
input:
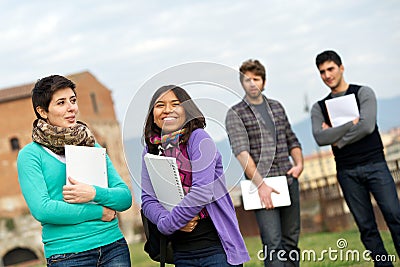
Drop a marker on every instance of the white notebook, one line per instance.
(164, 176)
(251, 199)
(86, 164)
(342, 109)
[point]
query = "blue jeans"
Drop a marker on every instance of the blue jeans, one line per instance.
(280, 229)
(113, 255)
(217, 260)
(357, 184)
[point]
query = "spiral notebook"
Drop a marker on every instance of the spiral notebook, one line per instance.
(251, 199)
(164, 176)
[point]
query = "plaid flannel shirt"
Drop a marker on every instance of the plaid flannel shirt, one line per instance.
(247, 131)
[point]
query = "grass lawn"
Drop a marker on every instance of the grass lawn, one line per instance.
(316, 242)
(308, 242)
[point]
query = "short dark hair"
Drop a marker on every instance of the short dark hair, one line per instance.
(254, 66)
(194, 117)
(45, 88)
(328, 55)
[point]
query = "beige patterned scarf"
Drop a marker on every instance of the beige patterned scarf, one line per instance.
(55, 138)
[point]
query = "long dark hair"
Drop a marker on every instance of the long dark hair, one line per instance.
(194, 117)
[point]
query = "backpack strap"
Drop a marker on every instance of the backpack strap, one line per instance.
(163, 250)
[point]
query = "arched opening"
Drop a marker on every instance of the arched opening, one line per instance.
(19, 255)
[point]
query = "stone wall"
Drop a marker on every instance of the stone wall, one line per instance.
(20, 232)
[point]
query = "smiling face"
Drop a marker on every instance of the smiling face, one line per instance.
(62, 109)
(168, 113)
(332, 75)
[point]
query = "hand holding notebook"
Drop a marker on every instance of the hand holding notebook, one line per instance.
(251, 199)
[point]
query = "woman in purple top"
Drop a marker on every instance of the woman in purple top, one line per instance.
(203, 227)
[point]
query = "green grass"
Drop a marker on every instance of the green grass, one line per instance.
(316, 242)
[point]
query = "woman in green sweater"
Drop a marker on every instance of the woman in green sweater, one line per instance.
(80, 226)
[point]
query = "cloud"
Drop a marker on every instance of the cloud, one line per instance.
(127, 42)
(151, 46)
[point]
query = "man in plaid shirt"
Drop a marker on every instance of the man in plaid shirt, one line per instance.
(262, 140)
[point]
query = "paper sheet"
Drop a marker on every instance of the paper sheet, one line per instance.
(342, 109)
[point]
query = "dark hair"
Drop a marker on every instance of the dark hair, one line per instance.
(328, 55)
(45, 88)
(254, 66)
(194, 117)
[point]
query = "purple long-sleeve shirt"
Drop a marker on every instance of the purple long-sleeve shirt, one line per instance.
(208, 190)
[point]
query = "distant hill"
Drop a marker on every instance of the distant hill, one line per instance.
(388, 118)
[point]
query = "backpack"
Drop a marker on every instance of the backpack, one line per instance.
(157, 245)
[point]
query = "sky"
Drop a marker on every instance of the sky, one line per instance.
(129, 44)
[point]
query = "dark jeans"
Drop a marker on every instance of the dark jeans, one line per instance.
(280, 229)
(216, 260)
(113, 255)
(357, 184)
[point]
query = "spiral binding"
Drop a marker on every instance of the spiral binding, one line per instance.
(177, 177)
